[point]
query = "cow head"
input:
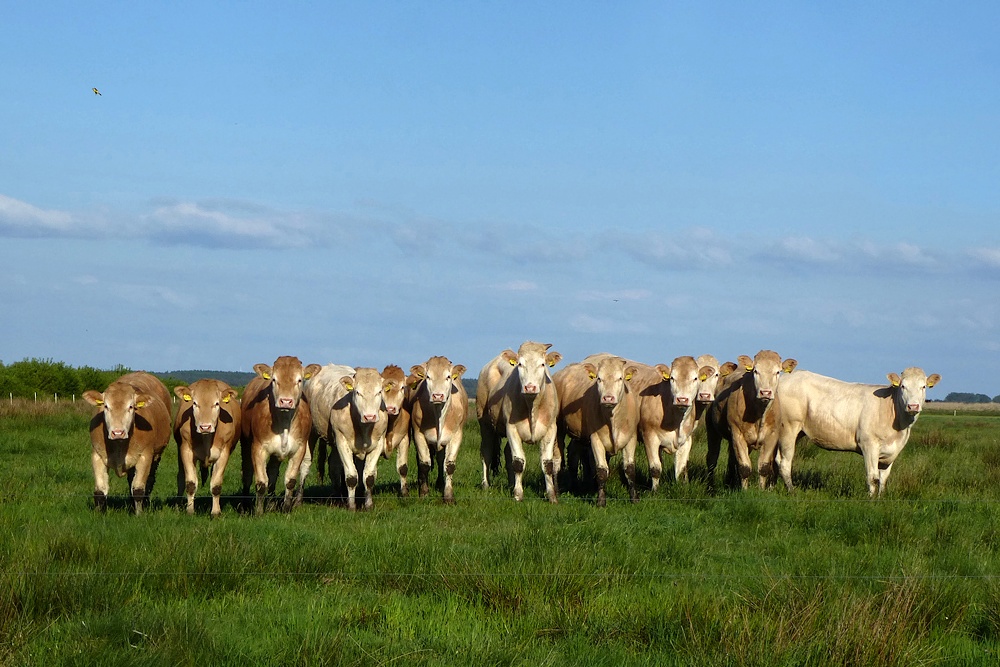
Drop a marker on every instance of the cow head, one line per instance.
(119, 402)
(911, 388)
(682, 374)
(206, 399)
(286, 377)
(365, 387)
(532, 363)
(710, 375)
(765, 368)
(393, 389)
(438, 376)
(613, 376)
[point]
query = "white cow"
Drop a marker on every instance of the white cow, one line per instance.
(874, 421)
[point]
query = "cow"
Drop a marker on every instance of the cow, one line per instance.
(872, 420)
(710, 381)
(439, 409)
(348, 411)
(128, 433)
(206, 429)
(667, 400)
(522, 405)
(276, 426)
(747, 412)
(397, 436)
(599, 406)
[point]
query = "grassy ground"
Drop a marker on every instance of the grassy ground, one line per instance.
(819, 577)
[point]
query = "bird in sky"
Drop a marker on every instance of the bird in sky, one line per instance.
(97, 92)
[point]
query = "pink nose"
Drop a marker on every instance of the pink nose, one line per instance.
(392, 410)
(370, 418)
(531, 389)
(437, 398)
(205, 428)
(766, 394)
(913, 407)
(117, 434)
(286, 403)
(609, 399)
(682, 400)
(705, 397)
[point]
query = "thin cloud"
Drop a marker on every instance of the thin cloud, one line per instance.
(18, 218)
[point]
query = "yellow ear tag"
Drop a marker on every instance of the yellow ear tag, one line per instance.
(895, 384)
(187, 397)
(100, 402)
(749, 368)
(266, 376)
(513, 362)
(629, 377)
(702, 378)
(592, 375)
(140, 404)
(350, 387)
(666, 376)
(226, 399)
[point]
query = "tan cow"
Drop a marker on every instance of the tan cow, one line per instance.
(440, 407)
(874, 421)
(348, 410)
(599, 406)
(747, 412)
(667, 400)
(710, 381)
(522, 405)
(206, 429)
(397, 437)
(128, 434)
(275, 428)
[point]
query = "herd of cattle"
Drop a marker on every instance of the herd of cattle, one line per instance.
(603, 404)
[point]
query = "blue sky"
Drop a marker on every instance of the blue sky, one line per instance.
(372, 183)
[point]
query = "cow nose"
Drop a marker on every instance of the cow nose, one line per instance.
(705, 397)
(437, 398)
(766, 394)
(531, 389)
(682, 400)
(608, 399)
(392, 410)
(117, 434)
(370, 418)
(286, 403)
(205, 428)
(913, 407)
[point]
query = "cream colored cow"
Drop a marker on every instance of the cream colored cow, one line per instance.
(522, 405)
(440, 407)
(206, 429)
(874, 421)
(128, 434)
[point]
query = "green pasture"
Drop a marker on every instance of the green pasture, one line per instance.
(823, 576)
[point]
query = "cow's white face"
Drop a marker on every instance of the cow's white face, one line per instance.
(393, 389)
(439, 376)
(766, 368)
(612, 375)
(366, 393)
(287, 376)
(684, 381)
(708, 378)
(912, 388)
(119, 403)
(532, 363)
(206, 399)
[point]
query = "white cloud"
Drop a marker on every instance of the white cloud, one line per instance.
(18, 218)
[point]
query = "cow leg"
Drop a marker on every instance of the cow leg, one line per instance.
(101, 486)
(246, 466)
(628, 461)
(551, 462)
(304, 467)
(766, 461)
(350, 468)
(264, 469)
(517, 459)
(652, 446)
(740, 456)
(402, 459)
(181, 477)
(295, 472)
(488, 451)
(883, 476)
(137, 481)
(681, 458)
(872, 475)
(450, 458)
(423, 462)
(218, 472)
(370, 475)
(321, 454)
(190, 475)
(600, 468)
(784, 457)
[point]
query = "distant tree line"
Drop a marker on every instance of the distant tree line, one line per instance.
(961, 397)
(45, 377)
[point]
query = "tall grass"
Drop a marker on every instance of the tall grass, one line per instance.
(823, 576)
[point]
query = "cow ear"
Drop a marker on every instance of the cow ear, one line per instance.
(590, 370)
(745, 361)
(311, 370)
(933, 380)
(418, 372)
(388, 385)
(630, 373)
(789, 365)
(228, 395)
(142, 400)
(664, 370)
(705, 372)
(457, 371)
(183, 393)
(263, 370)
(727, 368)
(95, 398)
(552, 358)
(893, 379)
(348, 382)
(510, 356)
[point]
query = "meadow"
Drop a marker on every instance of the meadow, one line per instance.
(823, 576)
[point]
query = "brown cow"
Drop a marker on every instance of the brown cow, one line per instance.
(128, 434)
(599, 406)
(522, 405)
(206, 429)
(397, 437)
(439, 409)
(747, 413)
(276, 428)
(667, 400)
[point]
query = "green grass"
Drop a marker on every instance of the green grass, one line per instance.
(823, 576)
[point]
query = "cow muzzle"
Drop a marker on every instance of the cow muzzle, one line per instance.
(437, 398)
(609, 399)
(913, 408)
(117, 434)
(682, 400)
(530, 389)
(369, 418)
(285, 403)
(391, 410)
(705, 397)
(206, 428)
(765, 394)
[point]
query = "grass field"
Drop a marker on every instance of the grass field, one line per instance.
(819, 577)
